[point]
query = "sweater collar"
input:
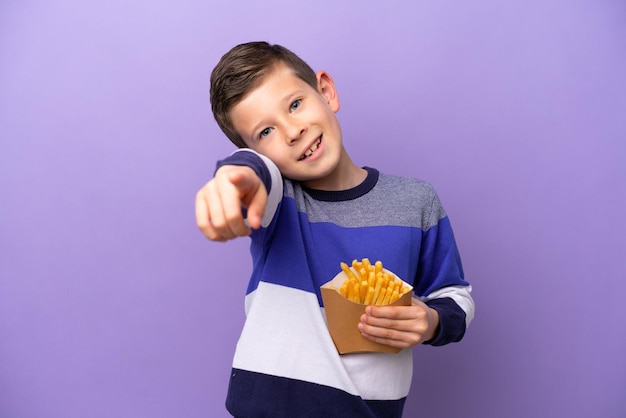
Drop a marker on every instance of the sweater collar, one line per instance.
(349, 194)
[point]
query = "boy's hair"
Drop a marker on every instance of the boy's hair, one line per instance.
(242, 69)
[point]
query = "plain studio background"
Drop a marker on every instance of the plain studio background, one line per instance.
(112, 304)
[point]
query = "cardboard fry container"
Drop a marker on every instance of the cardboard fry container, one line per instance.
(344, 315)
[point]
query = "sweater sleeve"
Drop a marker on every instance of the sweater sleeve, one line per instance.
(442, 285)
(267, 172)
(453, 318)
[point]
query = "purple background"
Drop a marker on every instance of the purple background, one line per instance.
(112, 304)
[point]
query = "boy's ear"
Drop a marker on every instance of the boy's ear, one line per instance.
(326, 87)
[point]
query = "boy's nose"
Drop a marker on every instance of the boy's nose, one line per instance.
(295, 132)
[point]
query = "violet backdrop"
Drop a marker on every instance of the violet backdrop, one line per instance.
(112, 304)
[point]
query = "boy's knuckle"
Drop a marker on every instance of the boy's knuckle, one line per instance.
(232, 219)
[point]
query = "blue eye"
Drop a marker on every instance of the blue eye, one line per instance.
(265, 132)
(295, 105)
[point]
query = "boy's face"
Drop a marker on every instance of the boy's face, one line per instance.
(294, 125)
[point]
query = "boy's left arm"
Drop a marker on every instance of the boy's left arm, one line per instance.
(443, 307)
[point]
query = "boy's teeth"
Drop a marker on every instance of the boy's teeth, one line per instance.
(312, 149)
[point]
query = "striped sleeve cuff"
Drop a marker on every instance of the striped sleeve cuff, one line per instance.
(451, 321)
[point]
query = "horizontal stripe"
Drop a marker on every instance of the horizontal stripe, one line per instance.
(298, 346)
(428, 261)
(259, 395)
(323, 246)
(417, 205)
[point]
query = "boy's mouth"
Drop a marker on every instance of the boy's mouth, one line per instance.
(311, 150)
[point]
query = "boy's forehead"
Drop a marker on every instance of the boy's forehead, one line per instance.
(280, 75)
(278, 84)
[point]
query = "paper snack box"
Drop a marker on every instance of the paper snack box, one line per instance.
(344, 315)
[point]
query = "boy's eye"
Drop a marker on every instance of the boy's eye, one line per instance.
(295, 105)
(265, 132)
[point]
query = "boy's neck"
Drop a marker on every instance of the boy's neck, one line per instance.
(346, 176)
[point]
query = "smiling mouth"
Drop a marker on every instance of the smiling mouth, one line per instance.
(311, 150)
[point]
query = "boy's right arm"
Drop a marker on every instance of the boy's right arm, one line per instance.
(219, 203)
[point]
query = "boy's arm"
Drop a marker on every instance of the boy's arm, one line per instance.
(443, 307)
(441, 320)
(243, 194)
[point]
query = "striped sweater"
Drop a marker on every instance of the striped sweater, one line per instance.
(286, 364)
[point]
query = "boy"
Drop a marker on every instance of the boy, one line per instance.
(293, 188)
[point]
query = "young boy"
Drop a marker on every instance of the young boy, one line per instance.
(292, 187)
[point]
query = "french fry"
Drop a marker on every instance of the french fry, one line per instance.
(343, 290)
(378, 286)
(347, 270)
(378, 267)
(387, 278)
(381, 296)
(387, 297)
(363, 288)
(349, 290)
(356, 297)
(394, 296)
(370, 284)
(366, 264)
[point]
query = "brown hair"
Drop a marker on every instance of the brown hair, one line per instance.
(242, 69)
